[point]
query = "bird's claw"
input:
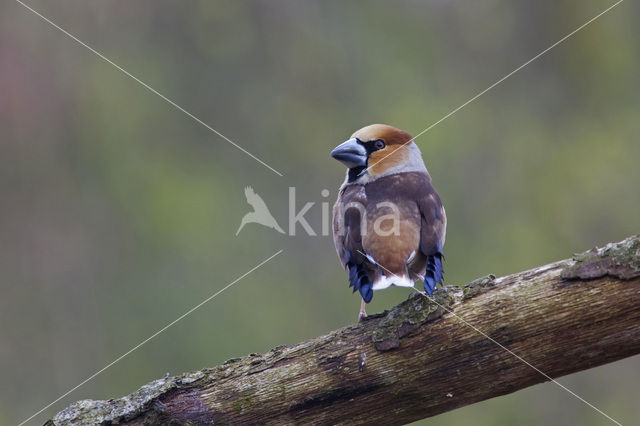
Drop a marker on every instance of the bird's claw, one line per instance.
(420, 292)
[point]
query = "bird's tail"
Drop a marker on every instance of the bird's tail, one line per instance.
(359, 280)
(434, 273)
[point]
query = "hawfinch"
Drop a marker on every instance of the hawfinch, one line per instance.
(388, 222)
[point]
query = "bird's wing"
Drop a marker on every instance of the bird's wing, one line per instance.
(433, 227)
(346, 223)
(348, 239)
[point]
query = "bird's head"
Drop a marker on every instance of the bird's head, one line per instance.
(378, 150)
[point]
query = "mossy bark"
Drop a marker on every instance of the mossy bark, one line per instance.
(420, 359)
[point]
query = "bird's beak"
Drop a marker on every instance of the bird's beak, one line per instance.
(350, 153)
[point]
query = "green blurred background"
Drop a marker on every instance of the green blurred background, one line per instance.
(118, 213)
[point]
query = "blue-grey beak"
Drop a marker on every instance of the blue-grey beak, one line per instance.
(351, 153)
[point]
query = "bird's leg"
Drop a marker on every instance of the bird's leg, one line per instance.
(363, 314)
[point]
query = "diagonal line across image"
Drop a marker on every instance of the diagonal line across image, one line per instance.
(455, 110)
(432, 299)
(143, 342)
(148, 87)
(175, 105)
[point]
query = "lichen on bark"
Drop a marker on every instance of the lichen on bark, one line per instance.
(620, 260)
(408, 353)
(409, 315)
(478, 286)
(117, 410)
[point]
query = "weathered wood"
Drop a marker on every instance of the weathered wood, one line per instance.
(417, 360)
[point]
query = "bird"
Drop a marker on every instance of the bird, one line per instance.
(260, 213)
(389, 225)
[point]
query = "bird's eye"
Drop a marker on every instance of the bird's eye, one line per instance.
(379, 144)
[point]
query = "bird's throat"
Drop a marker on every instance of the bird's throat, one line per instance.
(355, 173)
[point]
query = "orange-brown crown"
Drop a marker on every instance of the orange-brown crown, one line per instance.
(389, 134)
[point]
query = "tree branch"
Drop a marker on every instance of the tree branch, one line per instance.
(422, 358)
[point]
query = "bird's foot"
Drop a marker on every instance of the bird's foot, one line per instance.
(420, 292)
